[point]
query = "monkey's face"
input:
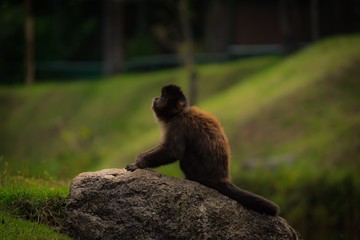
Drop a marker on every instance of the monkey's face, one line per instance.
(171, 102)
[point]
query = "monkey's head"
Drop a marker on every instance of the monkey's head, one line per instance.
(171, 102)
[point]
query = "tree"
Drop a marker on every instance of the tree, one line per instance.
(287, 10)
(315, 31)
(187, 49)
(29, 44)
(217, 28)
(113, 36)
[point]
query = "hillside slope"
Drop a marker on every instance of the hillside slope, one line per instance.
(274, 111)
(298, 109)
(293, 125)
(291, 113)
(295, 136)
(48, 127)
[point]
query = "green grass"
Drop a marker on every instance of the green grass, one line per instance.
(14, 228)
(293, 125)
(31, 208)
(49, 127)
(39, 200)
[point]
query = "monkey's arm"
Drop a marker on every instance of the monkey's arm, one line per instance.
(158, 156)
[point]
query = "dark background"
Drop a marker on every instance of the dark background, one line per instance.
(77, 38)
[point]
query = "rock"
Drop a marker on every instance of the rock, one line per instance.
(117, 204)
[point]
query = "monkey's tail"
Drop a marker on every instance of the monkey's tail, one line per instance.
(247, 199)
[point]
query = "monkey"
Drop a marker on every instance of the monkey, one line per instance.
(197, 140)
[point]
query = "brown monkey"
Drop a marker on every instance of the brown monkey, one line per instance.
(196, 139)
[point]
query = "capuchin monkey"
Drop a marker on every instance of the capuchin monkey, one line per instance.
(196, 138)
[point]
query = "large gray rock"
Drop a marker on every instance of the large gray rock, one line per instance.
(117, 204)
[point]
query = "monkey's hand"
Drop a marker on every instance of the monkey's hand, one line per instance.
(131, 167)
(139, 163)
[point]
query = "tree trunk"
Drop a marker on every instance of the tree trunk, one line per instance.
(217, 29)
(287, 24)
(29, 44)
(315, 30)
(187, 49)
(113, 37)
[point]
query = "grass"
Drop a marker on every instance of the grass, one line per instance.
(86, 124)
(293, 125)
(29, 206)
(39, 200)
(14, 228)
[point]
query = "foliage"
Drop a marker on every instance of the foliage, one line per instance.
(11, 40)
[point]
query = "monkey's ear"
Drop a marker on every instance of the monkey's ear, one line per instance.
(182, 103)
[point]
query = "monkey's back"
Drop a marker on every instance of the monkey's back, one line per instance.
(206, 150)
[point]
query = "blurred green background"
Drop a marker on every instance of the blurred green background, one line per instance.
(283, 77)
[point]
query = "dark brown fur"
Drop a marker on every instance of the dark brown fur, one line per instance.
(196, 139)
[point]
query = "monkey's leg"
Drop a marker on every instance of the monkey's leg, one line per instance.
(152, 158)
